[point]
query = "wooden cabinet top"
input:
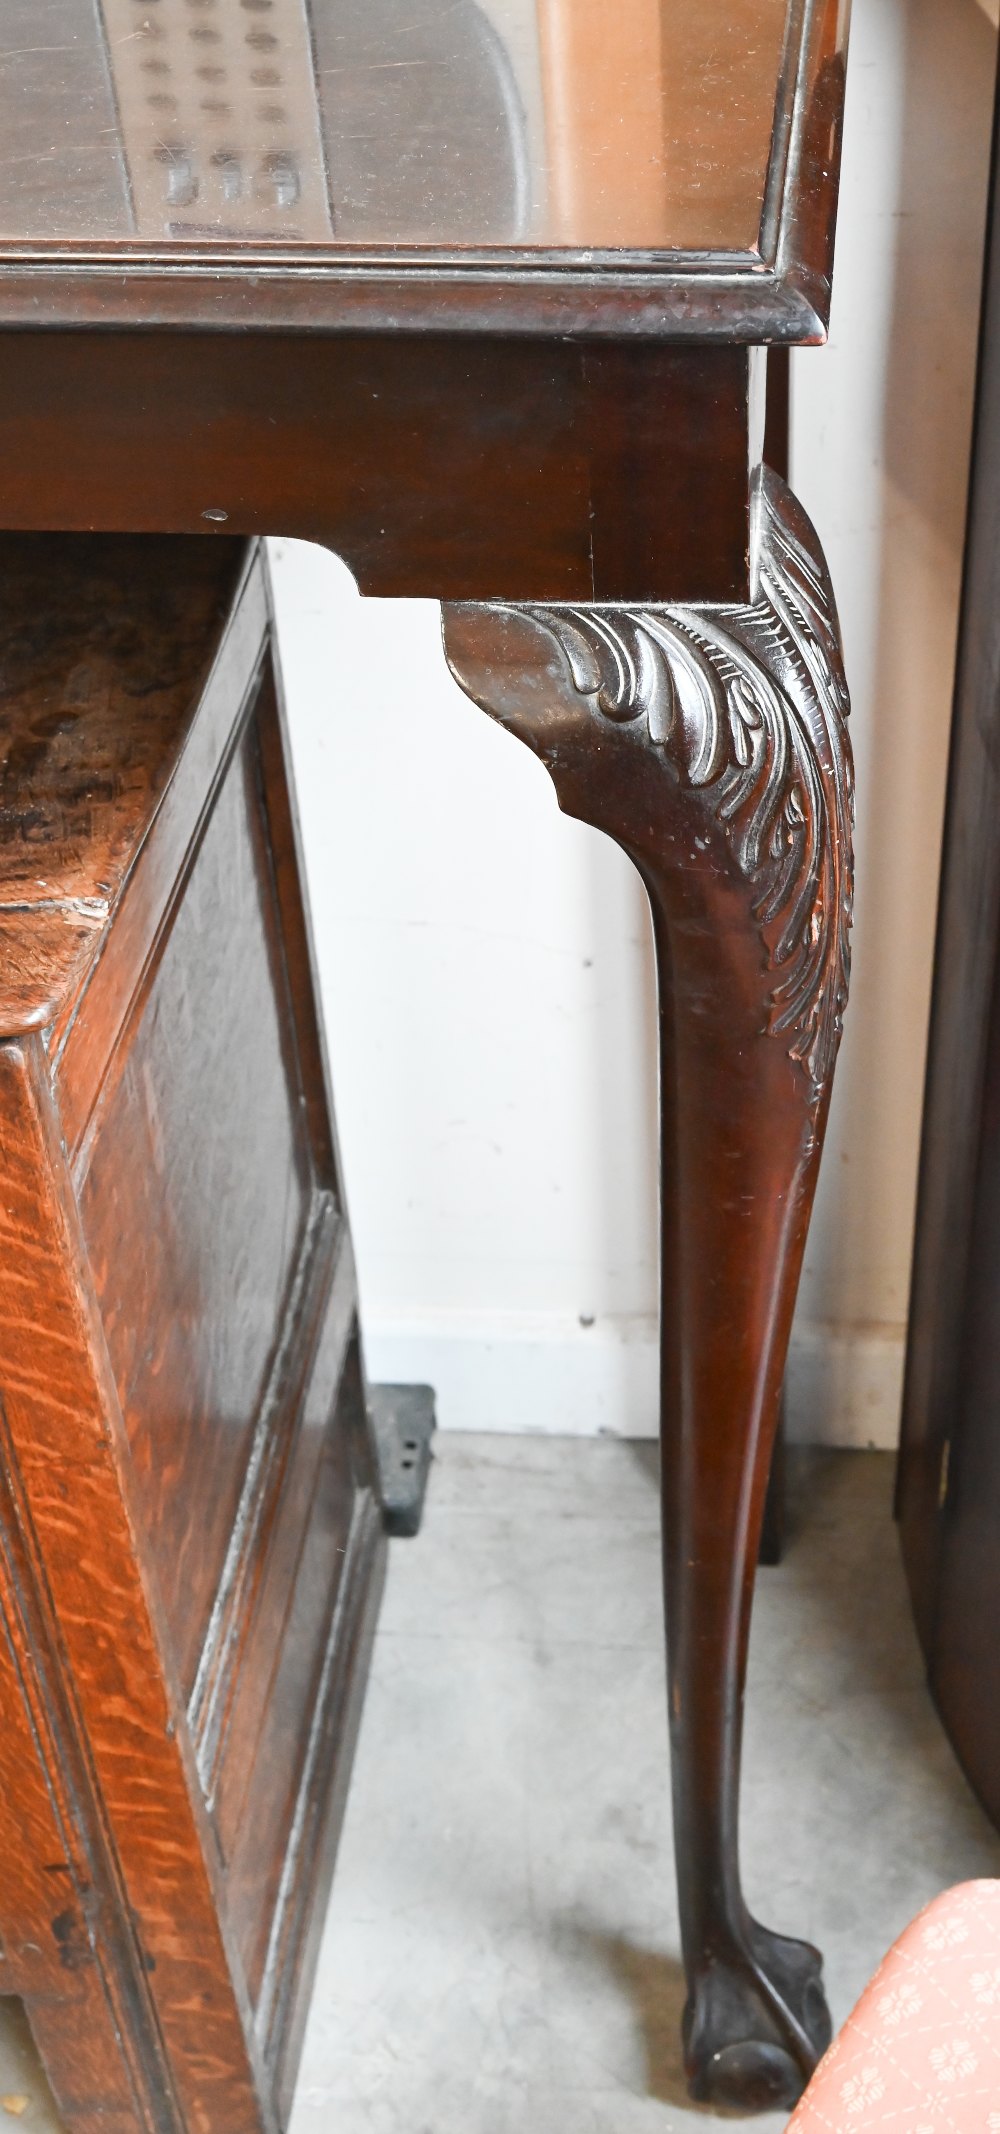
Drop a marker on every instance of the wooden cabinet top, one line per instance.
(105, 647)
(662, 167)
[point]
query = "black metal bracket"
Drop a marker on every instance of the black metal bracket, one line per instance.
(403, 1423)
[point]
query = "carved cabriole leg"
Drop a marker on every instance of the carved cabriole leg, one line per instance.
(712, 746)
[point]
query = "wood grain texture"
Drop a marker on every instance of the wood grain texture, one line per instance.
(712, 745)
(68, 1946)
(84, 1039)
(166, 1157)
(103, 647)
(69, 1441)
(191, 1548)
(460, 469)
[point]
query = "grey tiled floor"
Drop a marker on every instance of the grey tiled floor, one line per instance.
(502, 1951)
(501, 1955)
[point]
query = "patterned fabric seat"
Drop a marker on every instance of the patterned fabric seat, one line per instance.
(921, 2052)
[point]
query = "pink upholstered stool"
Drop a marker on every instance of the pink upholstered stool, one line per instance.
(921, 2052)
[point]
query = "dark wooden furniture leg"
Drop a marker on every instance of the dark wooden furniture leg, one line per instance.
(777, 441)
(711, 744)
(772, 1533)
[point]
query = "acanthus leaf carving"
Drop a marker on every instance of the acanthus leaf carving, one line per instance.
(750, 705)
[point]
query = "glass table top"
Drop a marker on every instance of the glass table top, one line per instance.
(566, 126)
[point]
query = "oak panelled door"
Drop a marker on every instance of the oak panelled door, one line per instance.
(480, 295)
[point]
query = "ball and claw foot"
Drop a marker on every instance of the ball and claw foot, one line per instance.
(756, 2024)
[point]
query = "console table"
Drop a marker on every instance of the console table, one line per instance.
(479, 295)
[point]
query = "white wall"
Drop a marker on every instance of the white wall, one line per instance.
(486, 963)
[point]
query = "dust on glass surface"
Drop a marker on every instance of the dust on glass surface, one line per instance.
(566, 124)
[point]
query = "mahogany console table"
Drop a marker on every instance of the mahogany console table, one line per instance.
(477, 294)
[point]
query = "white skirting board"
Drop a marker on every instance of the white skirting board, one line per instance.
(542, 1374)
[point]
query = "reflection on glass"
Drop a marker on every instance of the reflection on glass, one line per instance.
(605, 113)
(219, 119)
(569, 124)
(423, 123)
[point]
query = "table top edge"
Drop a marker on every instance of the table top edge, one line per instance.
(780, 292)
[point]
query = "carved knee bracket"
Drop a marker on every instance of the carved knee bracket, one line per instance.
(737, 720)
(712, 744)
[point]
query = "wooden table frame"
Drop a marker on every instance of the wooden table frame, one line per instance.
(567, 453)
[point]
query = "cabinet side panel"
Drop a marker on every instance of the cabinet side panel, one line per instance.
(68, 1948)
(69, 1442)
(194, 1205)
